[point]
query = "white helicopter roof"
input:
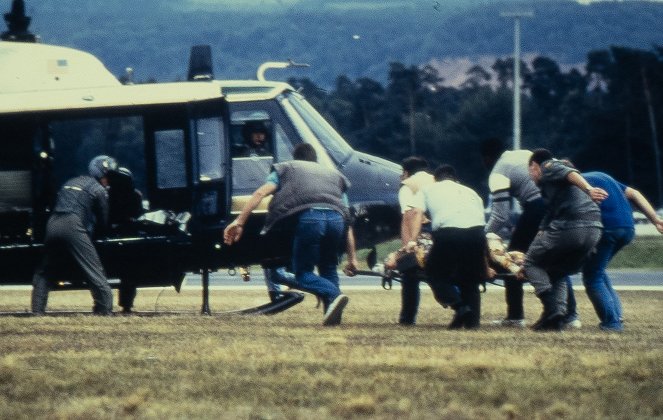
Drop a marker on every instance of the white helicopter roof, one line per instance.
(107, 97)
(38, 67)
(40, 77)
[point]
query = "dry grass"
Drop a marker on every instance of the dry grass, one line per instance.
(288, 366)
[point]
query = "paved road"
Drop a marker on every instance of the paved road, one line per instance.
(621, 279)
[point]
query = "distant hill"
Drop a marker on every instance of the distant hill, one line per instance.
(355, 38)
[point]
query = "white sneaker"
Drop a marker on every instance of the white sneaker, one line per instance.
(573, 324)
(335, 310)
(506, 322)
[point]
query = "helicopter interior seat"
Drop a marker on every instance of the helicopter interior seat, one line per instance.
(15, 203)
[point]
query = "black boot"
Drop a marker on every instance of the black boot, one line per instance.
(463, 312)
(275, 296)
(552, 319)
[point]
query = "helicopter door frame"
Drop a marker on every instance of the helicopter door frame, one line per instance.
(168, 157)
(210, 157)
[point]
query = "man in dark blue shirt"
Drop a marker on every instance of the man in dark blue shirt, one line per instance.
(618, 231)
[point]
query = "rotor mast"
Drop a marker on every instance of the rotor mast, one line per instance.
(18, 23)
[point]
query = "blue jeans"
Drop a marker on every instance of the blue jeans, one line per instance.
(318, 238)
(597, 283)
(275, 277)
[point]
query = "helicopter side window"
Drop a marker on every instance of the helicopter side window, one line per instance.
(170, 153)
(210, 158)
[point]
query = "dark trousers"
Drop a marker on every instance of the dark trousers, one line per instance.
(458, 259)
(67, 239)
(446, 294)
(523, 234)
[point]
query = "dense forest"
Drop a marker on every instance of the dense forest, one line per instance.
(357, 38)
(607, 117)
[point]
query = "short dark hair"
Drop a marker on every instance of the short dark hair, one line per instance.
(445, 171)
(540, 155)
(414, 164)
(492, 147)
(304, 151)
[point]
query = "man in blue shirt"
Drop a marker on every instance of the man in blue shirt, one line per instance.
(618, 231)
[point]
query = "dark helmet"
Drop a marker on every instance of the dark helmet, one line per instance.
(101, 165)
(254, 127)
(121, 178)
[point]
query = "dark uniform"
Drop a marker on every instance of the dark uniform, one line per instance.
(81, 207)
(125, 203)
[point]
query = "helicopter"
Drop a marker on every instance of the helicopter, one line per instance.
(60, 106)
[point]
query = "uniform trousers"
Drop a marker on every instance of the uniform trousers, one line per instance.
(67, 239)
(555, 254)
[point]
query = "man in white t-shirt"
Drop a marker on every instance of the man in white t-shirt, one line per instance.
(415, 177)
(459, 253)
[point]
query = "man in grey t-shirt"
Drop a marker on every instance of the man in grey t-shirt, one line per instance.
(569, 230)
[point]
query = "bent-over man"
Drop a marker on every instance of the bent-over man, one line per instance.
(618, 231)
(81, 208)
(459, 256)
(509, 178)
(415, 176)
(316, 194)
(569, 231)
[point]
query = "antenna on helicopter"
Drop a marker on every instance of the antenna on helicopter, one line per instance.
(200, 63)
(277, 65)
(18, 23)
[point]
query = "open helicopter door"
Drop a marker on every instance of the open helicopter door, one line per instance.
(210, 166)
(187, 168)
(210, 184)
(187, 175)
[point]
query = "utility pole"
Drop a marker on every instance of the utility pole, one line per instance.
(654, 134)
(516, 16)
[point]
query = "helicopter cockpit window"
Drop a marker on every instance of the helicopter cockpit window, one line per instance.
(170, 155)
(335, 145)
(283, 137)
(253, 154)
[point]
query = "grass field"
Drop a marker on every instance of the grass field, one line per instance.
(288, 366)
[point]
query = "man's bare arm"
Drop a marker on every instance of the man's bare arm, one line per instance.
(411, 225)
(596, 194)
(233, 232)
(639, 200)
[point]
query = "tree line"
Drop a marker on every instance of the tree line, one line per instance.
(606, 117)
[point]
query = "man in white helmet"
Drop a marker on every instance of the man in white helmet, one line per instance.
(81, 208)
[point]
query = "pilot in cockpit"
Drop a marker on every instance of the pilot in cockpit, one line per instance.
(256, 140)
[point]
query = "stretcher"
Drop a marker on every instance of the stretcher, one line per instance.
(504, 264)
